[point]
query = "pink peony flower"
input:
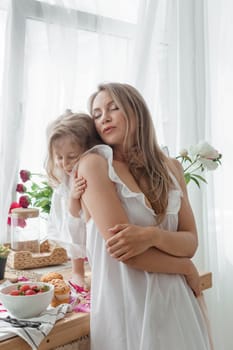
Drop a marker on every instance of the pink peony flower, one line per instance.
(25, 175)
(20, 188)
(21, 222)
(24, 201)
(12, 206)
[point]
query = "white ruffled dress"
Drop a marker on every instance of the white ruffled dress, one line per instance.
(68, 231)
(135, 310)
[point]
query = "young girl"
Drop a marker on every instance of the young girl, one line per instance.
(68, 137)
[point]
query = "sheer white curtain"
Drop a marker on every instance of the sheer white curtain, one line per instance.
(56, 52)
(169, 69)
(10, 111)
(190, 94)
(154, 66)
(219, 209)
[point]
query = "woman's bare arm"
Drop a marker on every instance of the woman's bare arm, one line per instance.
(105, 207)
(130, 240)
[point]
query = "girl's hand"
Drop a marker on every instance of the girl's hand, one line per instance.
(128, 241)
(78, 186)
(193, 279)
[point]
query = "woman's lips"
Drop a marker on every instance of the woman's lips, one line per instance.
(108, 130)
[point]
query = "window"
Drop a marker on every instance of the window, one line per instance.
(123, 10)
(62, 54)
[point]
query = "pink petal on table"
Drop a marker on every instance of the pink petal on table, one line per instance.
(2, 308)
(22, 279)
(82, 308)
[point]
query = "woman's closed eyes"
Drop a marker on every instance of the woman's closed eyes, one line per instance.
(98, 112)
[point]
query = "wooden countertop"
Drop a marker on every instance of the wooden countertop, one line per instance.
(73, 326)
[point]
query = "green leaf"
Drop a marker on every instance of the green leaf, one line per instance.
(41, 202)
(188, 159)
(34, 187)
(200, 178)
(187, 178)
(195, 180)
(46, 208)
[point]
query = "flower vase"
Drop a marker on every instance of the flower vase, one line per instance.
(2, 267)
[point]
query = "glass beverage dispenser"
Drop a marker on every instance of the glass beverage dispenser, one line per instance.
(25, 230)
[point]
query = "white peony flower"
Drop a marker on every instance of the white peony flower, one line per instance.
(204, 150)
(209, 164)
(199, 158)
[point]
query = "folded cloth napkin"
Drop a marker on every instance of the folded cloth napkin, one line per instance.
(34, 336)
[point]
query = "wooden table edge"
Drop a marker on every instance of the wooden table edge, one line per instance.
(73, 326)
(70, 328)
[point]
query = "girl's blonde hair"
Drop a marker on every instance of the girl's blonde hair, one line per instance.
(80, 128)
(147, 162)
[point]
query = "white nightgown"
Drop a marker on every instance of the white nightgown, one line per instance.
(136, 310)
(68, 231)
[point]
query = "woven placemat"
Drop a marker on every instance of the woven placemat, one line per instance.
(35, 274)
(31, 275)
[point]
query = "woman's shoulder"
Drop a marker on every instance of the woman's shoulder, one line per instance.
(103, 150)
(177, 172)
(95, 158)
(175, 166)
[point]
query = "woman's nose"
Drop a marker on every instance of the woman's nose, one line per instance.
(105, 117)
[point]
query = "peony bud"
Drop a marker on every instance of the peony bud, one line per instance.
(20, 188)
(183, 152)
(25, 175)
(24, 201)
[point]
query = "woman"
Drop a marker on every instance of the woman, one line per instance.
(138, 221)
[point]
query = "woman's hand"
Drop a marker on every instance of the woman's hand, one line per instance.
(128, 241)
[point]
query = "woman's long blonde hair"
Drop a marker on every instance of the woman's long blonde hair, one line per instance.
(146, 161)
(80, 128)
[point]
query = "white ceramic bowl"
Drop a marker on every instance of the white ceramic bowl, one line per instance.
(26, 306)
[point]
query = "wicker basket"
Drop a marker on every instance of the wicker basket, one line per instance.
(50, 254)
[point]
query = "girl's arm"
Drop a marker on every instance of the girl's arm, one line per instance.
(130, 240)
(103, 204)
(77, 188)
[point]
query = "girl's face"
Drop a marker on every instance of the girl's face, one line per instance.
(66, 153)
(109, 120)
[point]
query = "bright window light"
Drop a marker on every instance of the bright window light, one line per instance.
(124, 10)
(65, 82)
